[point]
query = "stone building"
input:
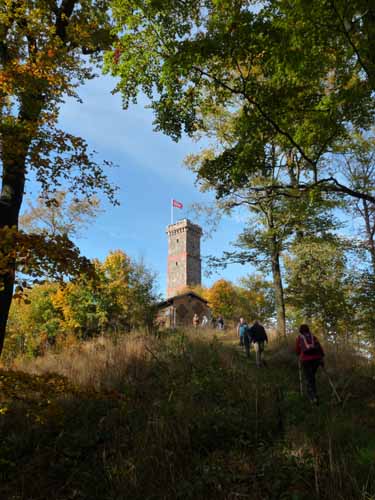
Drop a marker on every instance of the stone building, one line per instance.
(180, 309)
(184, 256)
(184, 270)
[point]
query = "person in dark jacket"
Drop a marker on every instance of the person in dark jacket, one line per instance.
(258, 336)
(311, 356)
(220, 323)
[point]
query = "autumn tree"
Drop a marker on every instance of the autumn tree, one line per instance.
(47, 49)
(251, 298)
(130, 288)
(33, 323)
(222, 299)
(122, 297)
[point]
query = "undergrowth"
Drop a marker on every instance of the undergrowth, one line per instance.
(186, 416)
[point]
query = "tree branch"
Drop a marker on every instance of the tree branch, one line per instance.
(346, 33)
(329, 185)
(262, 112)
(62, 18)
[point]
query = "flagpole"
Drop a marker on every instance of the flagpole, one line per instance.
(171, 211)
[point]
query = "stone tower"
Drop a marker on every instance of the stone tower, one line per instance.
(184, 256)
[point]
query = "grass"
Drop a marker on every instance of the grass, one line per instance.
(186, 416)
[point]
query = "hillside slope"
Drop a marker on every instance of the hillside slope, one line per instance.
(186, 416)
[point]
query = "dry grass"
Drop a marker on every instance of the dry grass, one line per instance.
(99, 364)
(195, 419)
(105, 364)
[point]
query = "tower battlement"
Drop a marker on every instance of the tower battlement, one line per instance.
(184, 256)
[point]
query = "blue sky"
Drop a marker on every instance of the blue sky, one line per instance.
(150, 173)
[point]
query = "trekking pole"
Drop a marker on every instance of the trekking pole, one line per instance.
(300, 378)
(332, 385)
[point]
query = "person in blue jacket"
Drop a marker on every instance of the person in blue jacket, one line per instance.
(241, 329)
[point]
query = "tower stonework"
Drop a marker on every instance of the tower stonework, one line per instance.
(184, 256)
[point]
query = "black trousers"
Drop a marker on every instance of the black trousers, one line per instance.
(309, 369)
(246, 341)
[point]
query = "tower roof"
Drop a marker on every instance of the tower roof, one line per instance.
(183, 224)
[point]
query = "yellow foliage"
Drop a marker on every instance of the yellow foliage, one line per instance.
(60, 302)
(222, 299)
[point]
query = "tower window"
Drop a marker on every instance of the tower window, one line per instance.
(176, 263)
(177, 240)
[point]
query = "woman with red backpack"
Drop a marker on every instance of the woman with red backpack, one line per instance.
(311, 356)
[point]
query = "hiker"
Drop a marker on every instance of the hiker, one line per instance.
(241, 328)
(195, 321)
(247, 341)
(204, 321)
(311, 356)
(220, 323)
(257, 334)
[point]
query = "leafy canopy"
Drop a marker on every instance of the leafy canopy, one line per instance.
(300, 71)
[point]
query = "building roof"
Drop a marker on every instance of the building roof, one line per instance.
(170, 301)
(183, 224)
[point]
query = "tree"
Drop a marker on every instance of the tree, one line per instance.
(363, 305)
(257, 298)
(317, 285)
(60, 216)
(222, 299)
(268, 243)
(252, 298)
(33, 323)
(287, 90)
(273, 220)
(300, 71)
(130, 289)
(360, 170)
(120, 298)
(47, 49)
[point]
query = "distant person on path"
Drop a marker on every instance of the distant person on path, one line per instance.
(241, 328)
(220, 323)
(204, 321)
(311, 356)
(257, 334)
(195, 321)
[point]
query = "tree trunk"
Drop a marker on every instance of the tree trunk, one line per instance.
(276, 277)
(370, 232)
(279, 291)
(13, 181)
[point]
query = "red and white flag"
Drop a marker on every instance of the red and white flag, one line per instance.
(177, 204)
